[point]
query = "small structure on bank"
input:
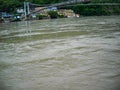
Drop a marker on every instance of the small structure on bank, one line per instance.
(6, 17)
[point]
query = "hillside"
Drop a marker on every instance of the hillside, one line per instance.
(11, 6)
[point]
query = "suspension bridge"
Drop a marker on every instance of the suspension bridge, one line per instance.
(27, 11)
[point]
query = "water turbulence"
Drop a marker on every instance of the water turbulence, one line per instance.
(61, 54)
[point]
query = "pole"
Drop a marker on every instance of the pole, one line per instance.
(28, 8)
(25, 9)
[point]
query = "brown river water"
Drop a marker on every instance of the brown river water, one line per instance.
(61, 54)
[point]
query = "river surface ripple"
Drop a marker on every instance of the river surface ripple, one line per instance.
(61, 54)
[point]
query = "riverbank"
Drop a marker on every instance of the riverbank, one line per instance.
(76, 11)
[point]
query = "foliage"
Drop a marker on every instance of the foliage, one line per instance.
(61, 16)
(105, 1)
(41, 16)
(53, 14)
(9, 5)
(96, 10)
(12, 5)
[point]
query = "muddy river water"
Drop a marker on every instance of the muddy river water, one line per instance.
(61, 54)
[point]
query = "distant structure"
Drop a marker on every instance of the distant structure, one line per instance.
(28, 12)
(26, 9)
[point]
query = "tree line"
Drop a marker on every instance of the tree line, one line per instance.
(12, 5)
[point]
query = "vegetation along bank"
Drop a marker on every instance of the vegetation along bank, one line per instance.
(95, 10)
(10, 6)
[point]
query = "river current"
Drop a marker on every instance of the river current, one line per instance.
(61, 54)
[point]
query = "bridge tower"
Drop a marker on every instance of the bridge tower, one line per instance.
(26, 9)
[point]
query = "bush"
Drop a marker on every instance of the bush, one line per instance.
(41, 16)
(96, 10)
(53, 14)
(61, 16)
